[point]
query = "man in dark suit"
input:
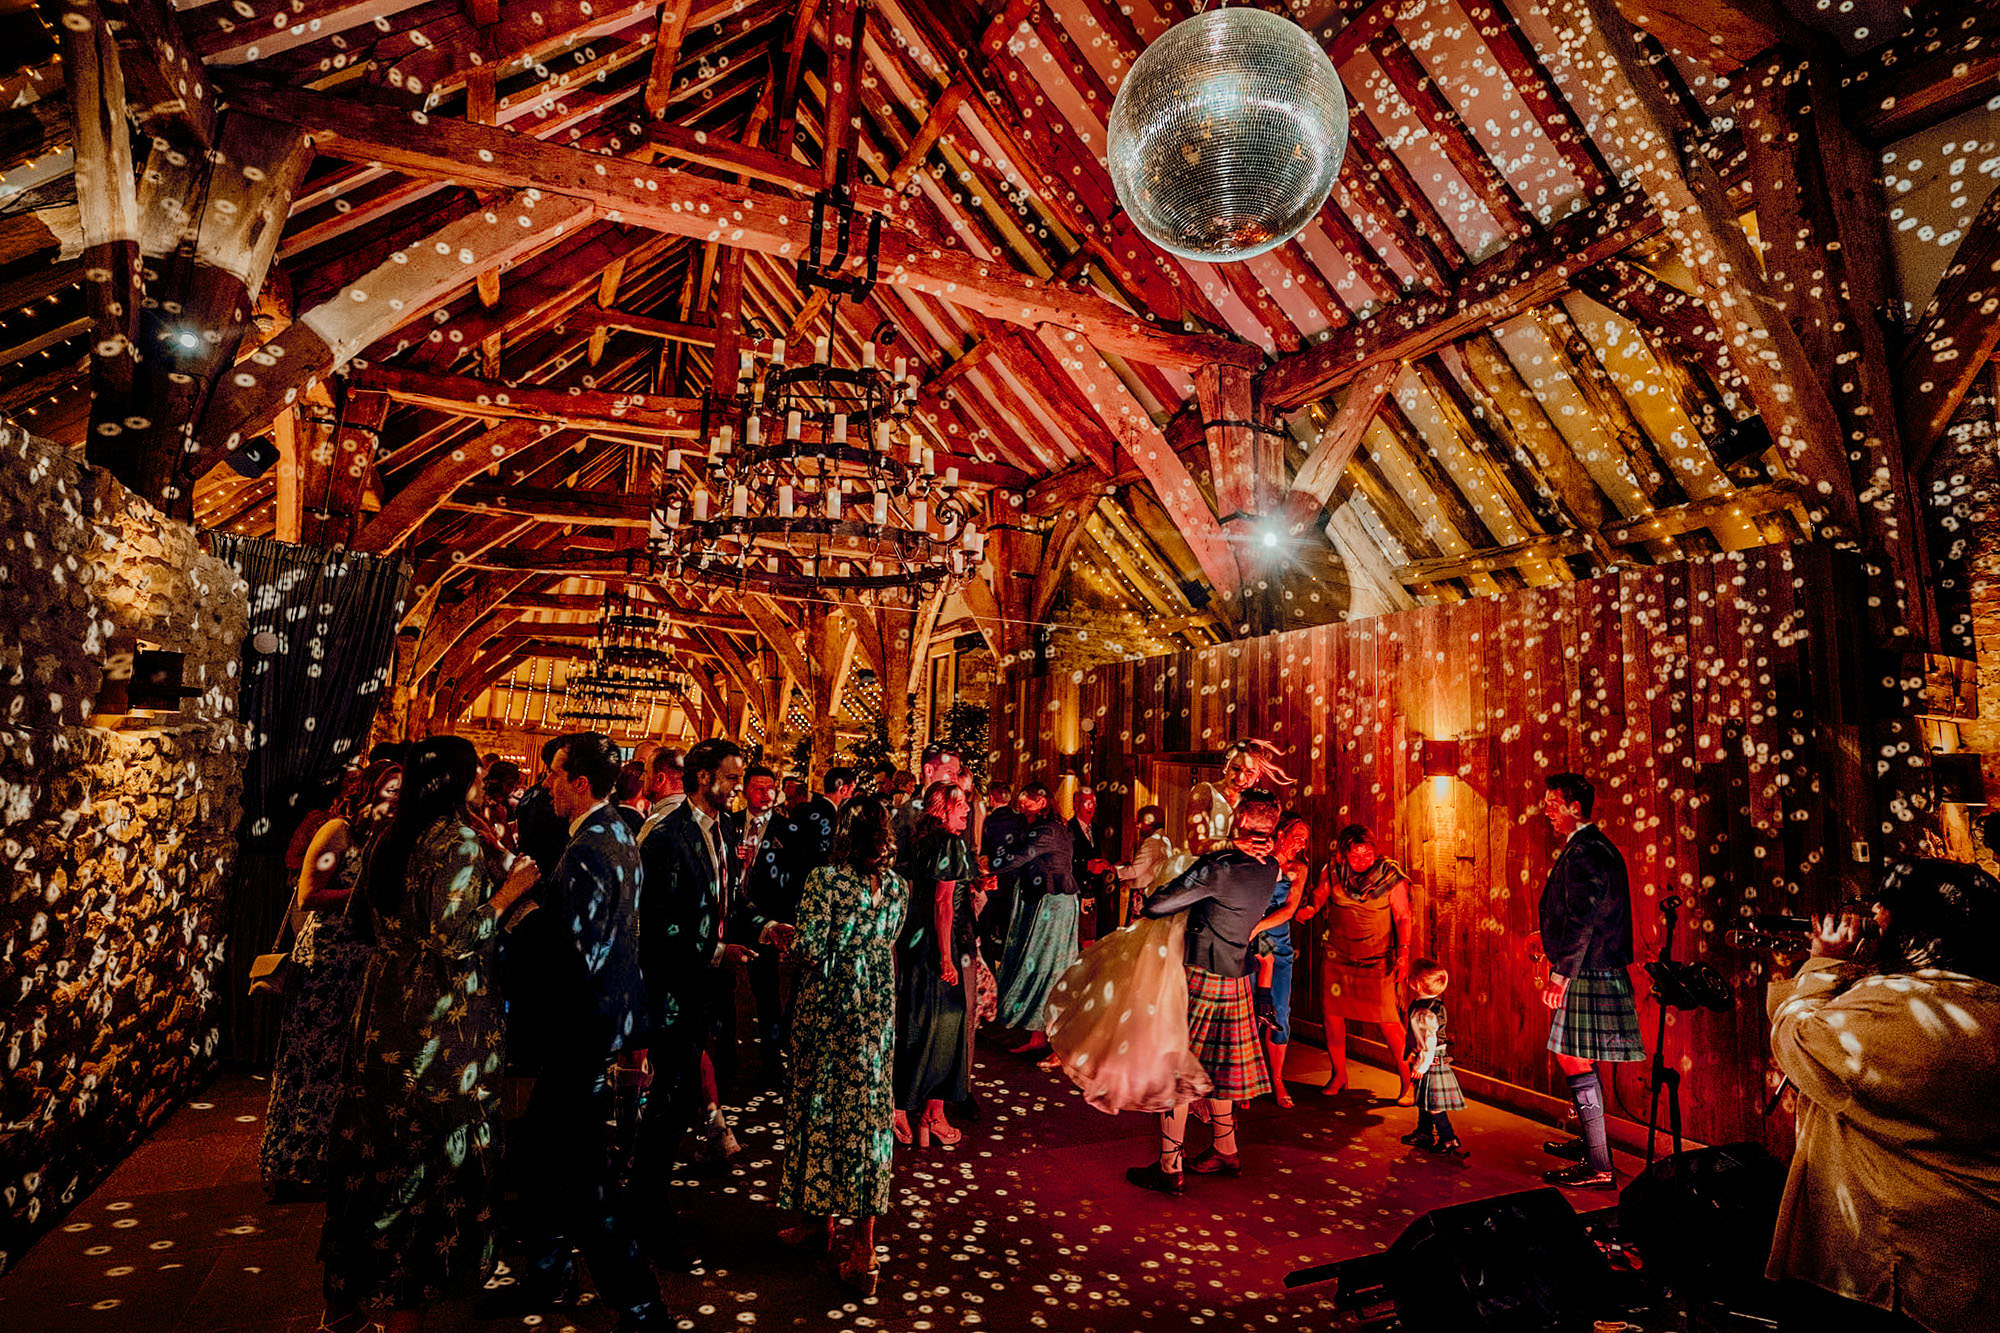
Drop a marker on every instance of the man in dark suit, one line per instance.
(1090, 866)
(596, 1003)
(696, 927)
(1003, 824)
(529, 951)
(1586, 920)
(799, 841)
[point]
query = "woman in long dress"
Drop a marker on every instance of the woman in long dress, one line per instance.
(329, 959)
(838, 1143)
(412, 1167)
(935, 973)
(1366, 898)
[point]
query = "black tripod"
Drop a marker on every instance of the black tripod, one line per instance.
(1684, 986)
(1665, 1077)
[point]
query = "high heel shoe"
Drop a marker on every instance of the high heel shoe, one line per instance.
(900, 1127)
(860, 1281)
(940, 1128)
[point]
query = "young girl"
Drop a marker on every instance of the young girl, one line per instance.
(1272, 942)
(1427, 1046)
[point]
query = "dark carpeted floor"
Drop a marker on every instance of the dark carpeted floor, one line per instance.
(1026, 1224)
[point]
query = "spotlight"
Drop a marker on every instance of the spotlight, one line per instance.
(1270, 539)
(186, 340)
(254, 457)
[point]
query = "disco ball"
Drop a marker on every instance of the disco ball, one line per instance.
(1227, 134)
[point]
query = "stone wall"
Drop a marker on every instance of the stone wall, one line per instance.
(115, 840)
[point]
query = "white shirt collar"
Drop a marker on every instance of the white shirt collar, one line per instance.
(1578, 829)
(575, 825)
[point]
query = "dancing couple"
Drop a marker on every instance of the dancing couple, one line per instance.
(1159, 1015)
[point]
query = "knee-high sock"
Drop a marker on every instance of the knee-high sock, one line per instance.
(1588, 1095)
(1222, 1119)
(1173, 1133)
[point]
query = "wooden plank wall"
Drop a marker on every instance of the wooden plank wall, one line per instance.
(1706, 699)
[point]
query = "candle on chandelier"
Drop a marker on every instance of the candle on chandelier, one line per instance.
(723, 438)
(868, 354)
(930, 462)
(882, 437)
(916, 451)
(902, 368)
(819, 351)
(792, 419)
(778, 353)
(785, 501)
(833, 502)
(757, 393)
(881, 509)
(753, 432)
(673, 460)
(701, 506)
(951, 476)
(746, 361)
(673, 515)
(741, 506)
(921, 519)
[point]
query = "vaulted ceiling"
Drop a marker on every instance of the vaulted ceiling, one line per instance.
(1586, 294)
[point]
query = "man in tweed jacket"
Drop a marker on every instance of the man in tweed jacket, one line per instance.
(1586, 920)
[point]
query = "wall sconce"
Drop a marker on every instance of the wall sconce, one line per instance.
(140, 682)
(1440, 759)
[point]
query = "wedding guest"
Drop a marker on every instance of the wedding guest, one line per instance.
(665, 788)
(1427, 1046)
(935, 973)
(596, 996)
(329, 960)
(1096, 889)
(1891, 1216)
(628, 795)
(1273, 944)
(1366, 898)
(411, 1167)
(800, 842)
(1585, 915)
(1043, 941)
(1004, 823)
(1154, 856)
(837, 1119)
(1246, 765)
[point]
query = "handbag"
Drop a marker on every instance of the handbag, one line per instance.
(270, 971)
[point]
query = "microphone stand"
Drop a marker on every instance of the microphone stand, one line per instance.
(1664, 1076)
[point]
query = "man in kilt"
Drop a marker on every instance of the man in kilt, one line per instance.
(1225, 895)
(1586, 919)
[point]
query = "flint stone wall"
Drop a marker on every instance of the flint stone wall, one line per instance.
(115, 844)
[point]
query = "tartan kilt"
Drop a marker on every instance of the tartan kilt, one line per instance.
(1598, 1019)
(1438, 1090)
(1222, 1034)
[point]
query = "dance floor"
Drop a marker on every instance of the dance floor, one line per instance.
(1027, 1223)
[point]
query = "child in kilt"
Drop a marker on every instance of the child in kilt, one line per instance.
(1427, 1046)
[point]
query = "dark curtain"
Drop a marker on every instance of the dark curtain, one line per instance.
(308, 707)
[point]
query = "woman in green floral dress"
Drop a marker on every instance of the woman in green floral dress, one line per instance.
(412, 1162)
(838, 1144)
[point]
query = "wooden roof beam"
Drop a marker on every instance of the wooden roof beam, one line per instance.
(679, 204)
(1689, 195)
(1494, 290)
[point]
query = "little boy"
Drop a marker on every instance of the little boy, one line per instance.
(1427, 1046)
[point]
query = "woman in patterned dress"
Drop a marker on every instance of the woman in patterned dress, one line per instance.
(838, 1147)
(329, 959)
(412, 1164)
(935, 972)
(1366, 897)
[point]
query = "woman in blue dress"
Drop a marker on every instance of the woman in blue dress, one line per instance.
(1273, 944)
